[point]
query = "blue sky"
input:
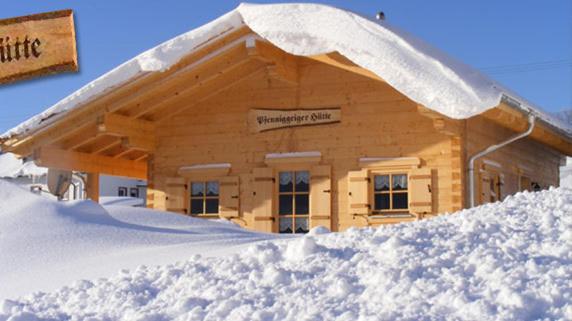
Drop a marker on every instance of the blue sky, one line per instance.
(524, 44)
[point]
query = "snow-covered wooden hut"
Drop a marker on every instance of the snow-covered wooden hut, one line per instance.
(284, 117)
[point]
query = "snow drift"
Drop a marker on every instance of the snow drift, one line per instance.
(45, 244)
(420, 71)
(503, 261)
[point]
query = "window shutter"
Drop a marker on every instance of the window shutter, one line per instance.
(320, 196)
(229, 196)
(263, 193)
(358, 190)
(420, 191)
(485, 188)
(175, 194)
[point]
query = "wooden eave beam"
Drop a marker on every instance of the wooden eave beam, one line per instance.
(510, 118)
(101, 145)
(63, 159)
(208, 90)
(196, 77)
(280, 64)
(337, 60)
(112, 100)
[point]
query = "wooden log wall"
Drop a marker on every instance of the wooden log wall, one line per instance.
(377, 121)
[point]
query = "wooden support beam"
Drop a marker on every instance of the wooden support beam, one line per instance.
(134, 133)
(92, 187)
(281, 65)
(119, 125)
(138, 143)
(337, 60)
(210, 90)
(83, 162)
(113, 99)
(84, 136)
(197, 77)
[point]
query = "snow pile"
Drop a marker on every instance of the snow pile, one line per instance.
(12, 167)
(421, 72)
(121, 201)
(45, 244)
(504, 261)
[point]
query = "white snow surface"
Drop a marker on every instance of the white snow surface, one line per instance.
(293, 155)
(206, 166)
(12, 167)
(416, 69)
(45, 244)
(121, 201)
(502, 261)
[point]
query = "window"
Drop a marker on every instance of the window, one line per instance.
(390, 193)
(134, 192)
(294, 201)
(122, 191)
(204, 197)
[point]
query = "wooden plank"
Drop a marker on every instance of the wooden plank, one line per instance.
(196, 77)
(108, 101)
(82, 162)
(282, 66)
(115, 124)
(208, 90)
(337, 60)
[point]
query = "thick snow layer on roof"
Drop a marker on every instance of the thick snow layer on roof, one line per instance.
(502, 261)
(12, 167)
(45, 244)
(419, 71)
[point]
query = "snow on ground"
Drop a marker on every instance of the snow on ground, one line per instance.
(45, 244)
(12, 167)
(502, 261)
(121, 201)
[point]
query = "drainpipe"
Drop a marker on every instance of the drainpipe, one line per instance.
(492, 148)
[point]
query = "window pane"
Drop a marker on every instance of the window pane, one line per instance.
(285, 204)
(301, 225)
(197, 189)
(381, 183)
(285, 181)
(197, 206)
(302, 181)
(211, 205)
(399, 182)
(381, 202)
(302, 204)
(399, 200)
(285, 225)
(212, 188)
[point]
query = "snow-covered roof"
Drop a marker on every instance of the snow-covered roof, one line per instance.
(421, 72)
(12, 167)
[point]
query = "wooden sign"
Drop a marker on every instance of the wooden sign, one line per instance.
(260, 120)
(37, 45)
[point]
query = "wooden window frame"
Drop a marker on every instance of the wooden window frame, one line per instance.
(203, 197)
(372, 192)
(294, 215)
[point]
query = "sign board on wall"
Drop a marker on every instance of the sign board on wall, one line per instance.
(38, 44)
(260, 120)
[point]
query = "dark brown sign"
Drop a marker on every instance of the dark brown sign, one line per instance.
(37, 45)
(260, 120)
